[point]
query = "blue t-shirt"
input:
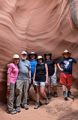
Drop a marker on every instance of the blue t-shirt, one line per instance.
(33, 64)
(67, 64)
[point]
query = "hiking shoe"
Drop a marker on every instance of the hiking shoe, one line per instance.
(18, 109)
(26, 107)
(55, 94)
(12, 112)
(70, 95)
(65, 98)
(37, 105)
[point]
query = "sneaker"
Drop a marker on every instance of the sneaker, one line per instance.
(26, 107)
(37, 105)
(12, 112)
(70, 95)
(18, 109)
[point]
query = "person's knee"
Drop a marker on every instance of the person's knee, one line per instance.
(42, 91)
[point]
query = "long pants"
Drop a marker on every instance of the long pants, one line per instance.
(10, 100)
(23, 86)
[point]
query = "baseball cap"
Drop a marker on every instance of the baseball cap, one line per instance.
(23, 52)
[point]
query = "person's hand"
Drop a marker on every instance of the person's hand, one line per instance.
(8, 91)
(46, 82)
(8, 87)
(29, 80)
(61, 69)
(33, 82)
(54, 74)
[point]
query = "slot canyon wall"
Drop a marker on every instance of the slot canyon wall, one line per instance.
(39, 25)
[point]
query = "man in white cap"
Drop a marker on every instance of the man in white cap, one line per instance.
(24, 78)
(65, 65)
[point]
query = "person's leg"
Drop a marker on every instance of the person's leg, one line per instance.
(63, 81)
(55, 91)
(25, 97)
(43, 93)
(37, 90)
(19, 85)
(10, 102)
(48, 87)
(54, 85)
(69, 84)
(65, 92)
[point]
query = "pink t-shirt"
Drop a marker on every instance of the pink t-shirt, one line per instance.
(12, 73)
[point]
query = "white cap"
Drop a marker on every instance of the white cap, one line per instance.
(66, 51)
(16, 56)
(39, 57)
(23, 52)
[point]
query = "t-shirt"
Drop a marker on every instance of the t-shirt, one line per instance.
(51, 67)
(12, 73)
(24, 68)
(67, 64)
(33, 64)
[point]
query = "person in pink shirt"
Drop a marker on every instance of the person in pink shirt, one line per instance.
(12, 74)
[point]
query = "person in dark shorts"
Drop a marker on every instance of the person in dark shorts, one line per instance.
(52, 79)
(65, 65)
(40, 79)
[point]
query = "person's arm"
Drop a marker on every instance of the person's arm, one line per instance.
(55, 66)
(8, 74)
(34, 75)
(46, 67)
(29, 72)
(61, 69)
(74, 60)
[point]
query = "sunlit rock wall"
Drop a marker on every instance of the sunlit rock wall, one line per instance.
(39, 25)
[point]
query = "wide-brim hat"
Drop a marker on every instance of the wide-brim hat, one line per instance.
(47, 54)
(66, 52)
(32, 53)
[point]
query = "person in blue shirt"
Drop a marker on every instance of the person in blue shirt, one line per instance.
(33, 63)
(23, 80)
(65, 65)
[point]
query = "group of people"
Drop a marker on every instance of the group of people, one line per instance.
(39, 72)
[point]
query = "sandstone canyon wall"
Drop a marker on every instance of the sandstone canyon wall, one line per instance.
(39, 25)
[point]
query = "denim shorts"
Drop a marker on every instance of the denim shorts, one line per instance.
(41, 84)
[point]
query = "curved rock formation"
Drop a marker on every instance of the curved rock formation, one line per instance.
(40, 25)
